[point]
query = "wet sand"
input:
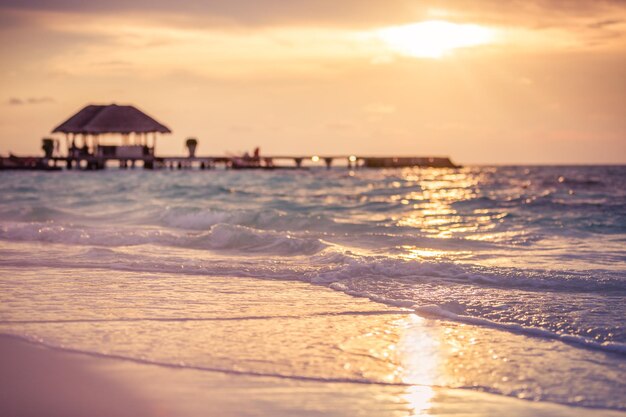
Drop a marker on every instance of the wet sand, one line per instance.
(37, 381)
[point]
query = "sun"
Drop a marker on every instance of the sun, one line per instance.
(434, 38)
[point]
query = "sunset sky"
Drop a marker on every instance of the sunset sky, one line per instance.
(538, 81)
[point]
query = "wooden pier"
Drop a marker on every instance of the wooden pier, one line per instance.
(92, 162)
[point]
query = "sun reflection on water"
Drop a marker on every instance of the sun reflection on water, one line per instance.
(418, 253)
(433, 210)
(432, 198)
(419, 399)
(419, 360)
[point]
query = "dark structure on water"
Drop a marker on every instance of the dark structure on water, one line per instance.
(91, 123)
(90, 133)
(401, 162)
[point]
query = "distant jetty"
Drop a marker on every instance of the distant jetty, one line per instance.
(100, 135)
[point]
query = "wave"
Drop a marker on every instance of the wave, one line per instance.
(497, 277)
(218, 237)
(192, 218)
(438, 311)
(354, 233)
(247, 239)
(326, 262)
(34, 213)
(208, 229)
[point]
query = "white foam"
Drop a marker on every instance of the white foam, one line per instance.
(442, 271)
(437, 311)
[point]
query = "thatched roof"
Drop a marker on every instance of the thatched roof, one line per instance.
(94, 119)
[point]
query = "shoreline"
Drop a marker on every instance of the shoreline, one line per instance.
(41, 380)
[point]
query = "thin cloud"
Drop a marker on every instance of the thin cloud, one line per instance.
(605, 23)
(16, 101)
(115, 63)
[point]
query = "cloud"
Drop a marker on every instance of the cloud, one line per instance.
(114, 64)
(124, 31)
(15, 101)
(605, 23)
(245, 12)
(347, 13)
(272, 39)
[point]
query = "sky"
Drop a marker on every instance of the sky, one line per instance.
(481, 81)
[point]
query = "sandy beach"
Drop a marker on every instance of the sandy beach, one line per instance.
(37, 380)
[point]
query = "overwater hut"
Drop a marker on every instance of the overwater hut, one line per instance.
(88, 133)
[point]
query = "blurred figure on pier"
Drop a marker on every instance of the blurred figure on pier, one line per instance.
(247, 161)
(73, 149)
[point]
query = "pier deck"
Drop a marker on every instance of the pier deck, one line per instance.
(91, 162)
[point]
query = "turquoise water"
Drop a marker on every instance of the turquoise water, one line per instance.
(536, 251)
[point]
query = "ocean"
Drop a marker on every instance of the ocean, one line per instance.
(507, 280)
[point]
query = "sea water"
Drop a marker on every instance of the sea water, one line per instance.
(522, 270)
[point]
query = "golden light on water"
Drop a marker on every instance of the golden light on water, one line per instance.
(433, 211)
(414, 252)
(420, 363)
(434, 38)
